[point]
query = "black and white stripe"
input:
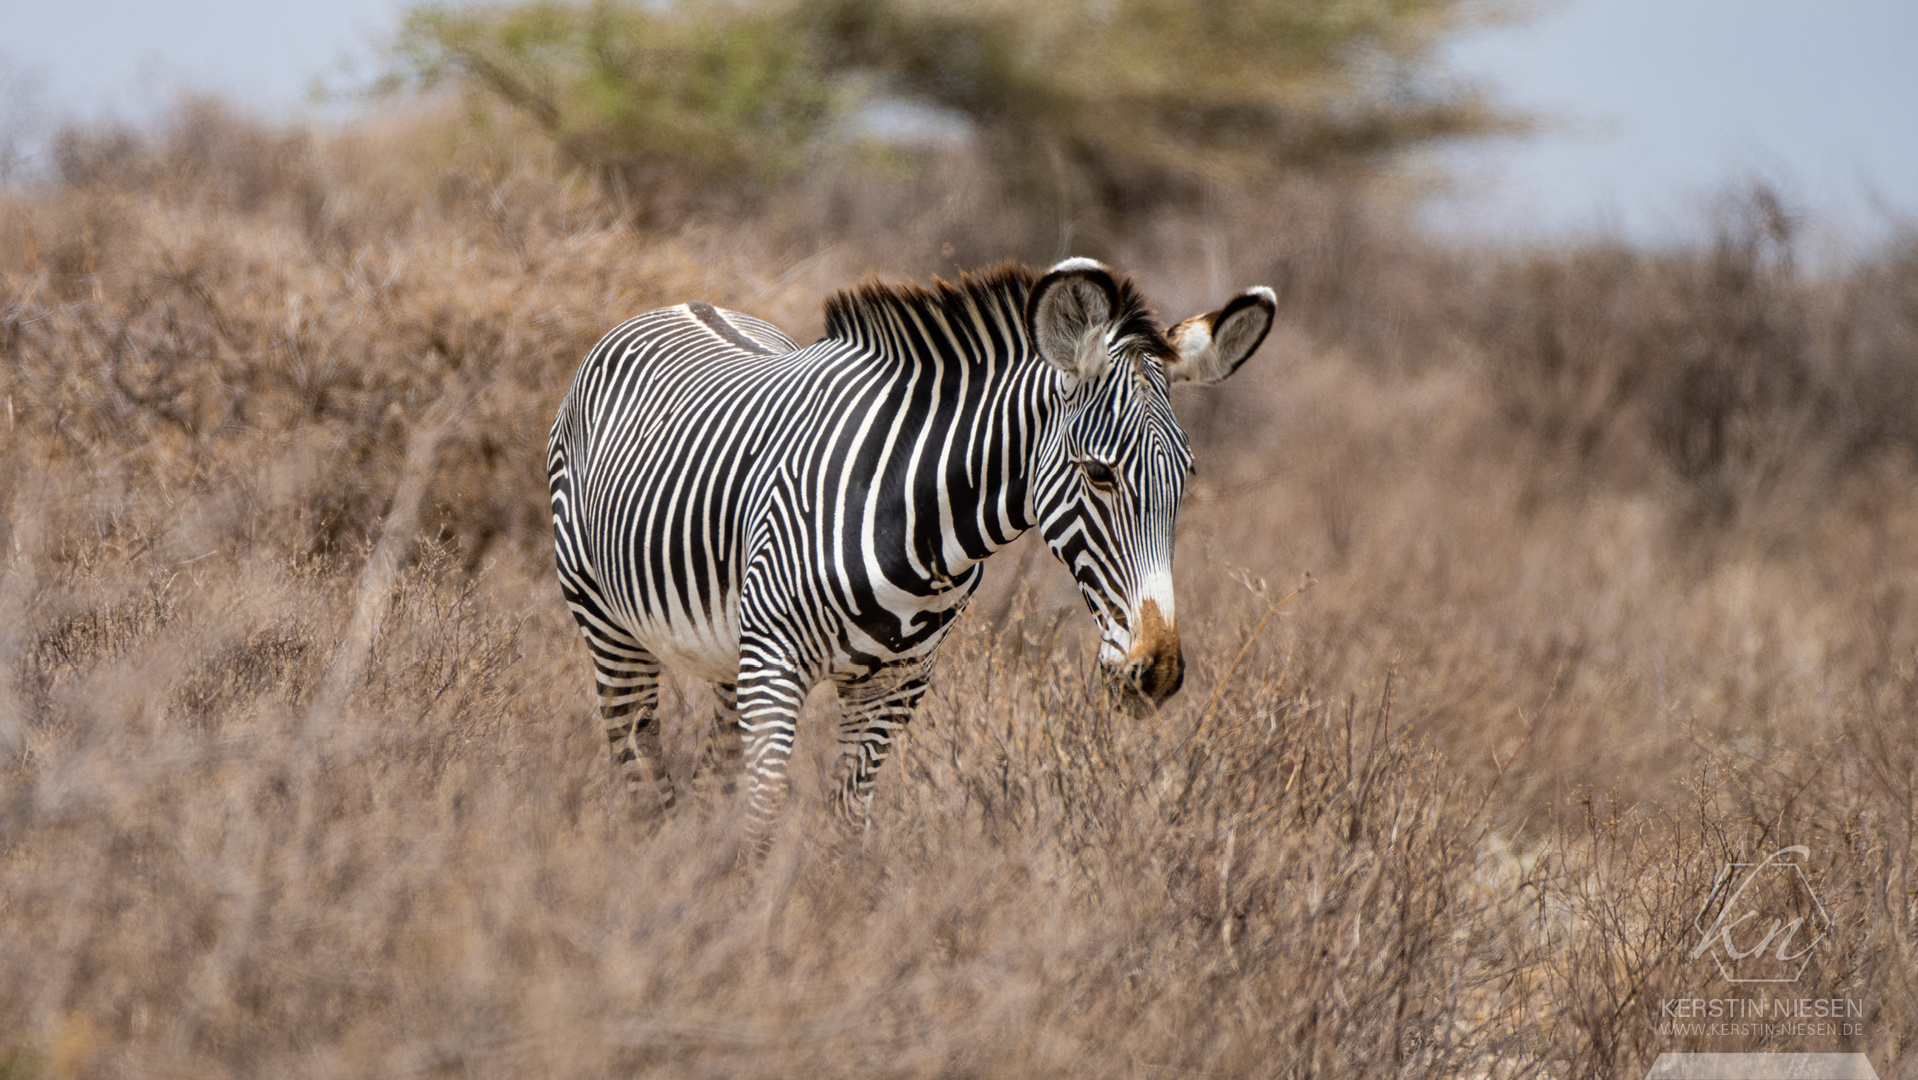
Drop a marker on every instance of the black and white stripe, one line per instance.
(765, 516)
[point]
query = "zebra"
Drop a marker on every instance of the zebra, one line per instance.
(767, 517)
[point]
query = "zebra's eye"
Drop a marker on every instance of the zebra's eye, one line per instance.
(1100, 474)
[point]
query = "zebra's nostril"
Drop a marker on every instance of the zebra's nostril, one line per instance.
(1170, 686)
(1153, 680)
(1157, 679)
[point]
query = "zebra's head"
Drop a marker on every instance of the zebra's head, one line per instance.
(1112, 469)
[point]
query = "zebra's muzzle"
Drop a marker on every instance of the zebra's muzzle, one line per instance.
(1154, 668)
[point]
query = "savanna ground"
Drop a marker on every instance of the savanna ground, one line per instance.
(1610, 559)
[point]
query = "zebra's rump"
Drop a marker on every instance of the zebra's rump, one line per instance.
(651, 460)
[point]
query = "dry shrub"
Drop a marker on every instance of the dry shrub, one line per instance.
(1450, 811)
(167, 334)
(1724, 375)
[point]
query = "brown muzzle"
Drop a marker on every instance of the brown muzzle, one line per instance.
(1153, 670)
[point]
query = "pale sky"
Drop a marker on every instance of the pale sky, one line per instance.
(1663, 102)
(1658, 103)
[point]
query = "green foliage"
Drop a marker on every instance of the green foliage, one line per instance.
(20, 1063)
(665, 97)
(1125, 105)
(1143, 101)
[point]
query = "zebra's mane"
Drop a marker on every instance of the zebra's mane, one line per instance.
(1000, 291)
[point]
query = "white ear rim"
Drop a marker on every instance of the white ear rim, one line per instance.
(1078, 262)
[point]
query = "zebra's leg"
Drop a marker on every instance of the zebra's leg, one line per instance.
(723, 749)
(628, 679)
(875, 708)
(769, 701)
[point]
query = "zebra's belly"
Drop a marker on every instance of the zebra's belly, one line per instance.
(700, 661)
(694, 649)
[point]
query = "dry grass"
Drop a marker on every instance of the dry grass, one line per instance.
(1611, 553)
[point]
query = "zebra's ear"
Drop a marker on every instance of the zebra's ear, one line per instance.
(1213, 345)
(1068, 313)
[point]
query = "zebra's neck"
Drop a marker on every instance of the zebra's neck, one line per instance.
(970, 404)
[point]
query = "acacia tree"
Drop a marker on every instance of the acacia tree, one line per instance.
(669, 100)
(1125, 104)
(1144, 101)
